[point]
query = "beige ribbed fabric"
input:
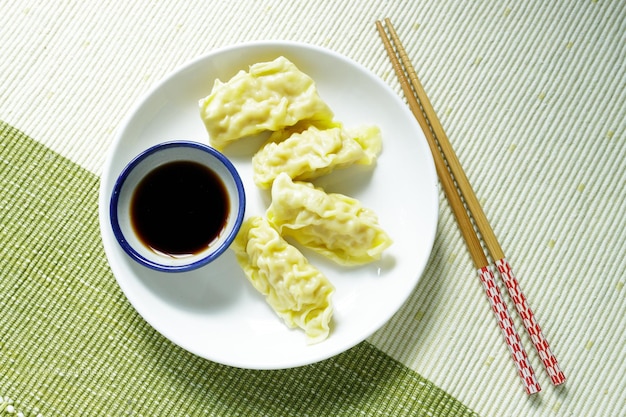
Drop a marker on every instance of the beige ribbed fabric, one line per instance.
(532, 96)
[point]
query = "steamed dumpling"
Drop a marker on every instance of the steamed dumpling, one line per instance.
(270, 96)
(315, 152)
(334, 225)
(297, 291)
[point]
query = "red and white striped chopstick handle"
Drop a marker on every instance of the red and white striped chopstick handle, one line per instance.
(534, 331)
(511, 336)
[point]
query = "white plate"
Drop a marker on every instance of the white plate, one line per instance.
(214, 312)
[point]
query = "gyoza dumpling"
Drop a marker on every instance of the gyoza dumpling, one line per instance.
(297, 291)
(270, 96)
(315, 152)
(334, 225)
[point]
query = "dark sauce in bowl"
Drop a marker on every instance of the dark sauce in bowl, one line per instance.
(179, 208)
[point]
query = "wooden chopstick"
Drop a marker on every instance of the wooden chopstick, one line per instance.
(504, 268)
(465, 225)
(446, 168)
(480, 219)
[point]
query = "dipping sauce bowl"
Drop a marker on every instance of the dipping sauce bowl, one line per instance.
(177, 206)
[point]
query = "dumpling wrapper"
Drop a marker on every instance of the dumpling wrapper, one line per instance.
(270, 96)
(315, 152)
(297, 291)
(334, 225)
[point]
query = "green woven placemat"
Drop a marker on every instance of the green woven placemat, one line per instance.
(70, 343)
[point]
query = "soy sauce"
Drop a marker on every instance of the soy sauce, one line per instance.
(179, 208)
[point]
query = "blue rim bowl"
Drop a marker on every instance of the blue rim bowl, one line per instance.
(147, 161)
